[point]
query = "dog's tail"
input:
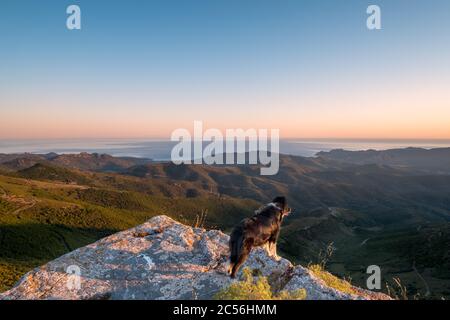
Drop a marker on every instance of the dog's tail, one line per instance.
(236, 242)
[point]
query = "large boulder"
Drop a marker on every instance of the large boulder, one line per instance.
(160, 259)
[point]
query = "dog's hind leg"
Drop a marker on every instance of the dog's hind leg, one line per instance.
(233, 256)
(236, 241)
(230, 267)
(243, 254)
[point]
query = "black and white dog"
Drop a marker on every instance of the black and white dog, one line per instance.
(262, 229)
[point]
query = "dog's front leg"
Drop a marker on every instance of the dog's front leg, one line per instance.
(269, 249)
(273, 249)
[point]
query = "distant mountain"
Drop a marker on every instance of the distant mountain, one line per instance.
(424, 160)
(20, 161)
(97, 162)
(82, 161)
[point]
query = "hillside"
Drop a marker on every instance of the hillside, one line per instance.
(163, 259)
(432, 161)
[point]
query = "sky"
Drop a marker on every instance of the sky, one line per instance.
(141, 69)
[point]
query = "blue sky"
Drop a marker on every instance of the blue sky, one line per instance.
(144, 68)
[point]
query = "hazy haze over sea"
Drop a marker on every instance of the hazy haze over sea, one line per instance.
(160, 149)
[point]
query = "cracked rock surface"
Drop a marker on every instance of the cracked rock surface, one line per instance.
(160, 259)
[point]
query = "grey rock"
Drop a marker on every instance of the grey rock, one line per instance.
(160, 259)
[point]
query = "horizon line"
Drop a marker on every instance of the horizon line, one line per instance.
(165, 139)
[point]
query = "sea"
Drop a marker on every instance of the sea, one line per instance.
(159, 150)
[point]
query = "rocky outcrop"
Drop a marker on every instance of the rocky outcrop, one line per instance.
(160, 259)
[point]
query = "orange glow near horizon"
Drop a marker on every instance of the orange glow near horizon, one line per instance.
(343, 122)
(391, 112)
(342, 125)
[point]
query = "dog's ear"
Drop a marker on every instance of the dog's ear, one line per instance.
(280, 202)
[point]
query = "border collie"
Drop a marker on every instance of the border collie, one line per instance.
(262, 229)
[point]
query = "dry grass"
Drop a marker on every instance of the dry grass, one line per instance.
(331, 280)
(257, 288)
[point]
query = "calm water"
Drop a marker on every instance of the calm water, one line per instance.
(160, 150)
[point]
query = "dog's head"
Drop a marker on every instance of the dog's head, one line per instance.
(280, 202)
